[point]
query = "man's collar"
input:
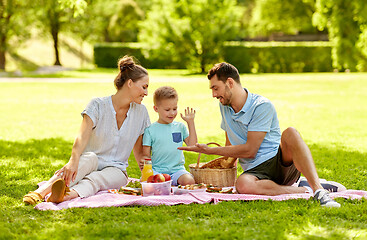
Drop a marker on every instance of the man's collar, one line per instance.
(246, 106)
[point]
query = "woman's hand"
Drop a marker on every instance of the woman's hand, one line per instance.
(68, 172)
(189, 115)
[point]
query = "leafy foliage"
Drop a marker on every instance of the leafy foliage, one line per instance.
(277, 16)
(266, 57)
(54, 15)
(191, 33)
(123, 25)
(346, 22)
(13, 25)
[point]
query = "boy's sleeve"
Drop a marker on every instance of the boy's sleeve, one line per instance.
(147, 138)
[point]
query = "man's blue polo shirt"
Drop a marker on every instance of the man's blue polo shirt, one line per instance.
(259, 115)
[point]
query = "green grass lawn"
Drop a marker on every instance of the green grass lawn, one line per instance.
(40, 118)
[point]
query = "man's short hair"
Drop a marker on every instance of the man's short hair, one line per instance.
(164, 92)
(224, 71)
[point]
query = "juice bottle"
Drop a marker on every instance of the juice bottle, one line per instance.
(147, 170)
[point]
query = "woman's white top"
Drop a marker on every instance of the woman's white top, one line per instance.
(113, 146)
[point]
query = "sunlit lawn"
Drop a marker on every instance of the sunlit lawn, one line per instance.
(39, 119)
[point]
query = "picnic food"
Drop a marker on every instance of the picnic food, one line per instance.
(159, 178)
(212, 189)
(134, 184)
(167, 177)
(150, 179)
(220, 172)
(229, 190)
(193, 186)
(130, 191)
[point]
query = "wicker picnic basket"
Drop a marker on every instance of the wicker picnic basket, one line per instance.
(220, 172)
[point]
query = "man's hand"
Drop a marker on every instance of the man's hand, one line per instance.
(199, 148)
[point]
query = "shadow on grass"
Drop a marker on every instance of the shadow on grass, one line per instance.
(24, 164)
(27, 163)
(332, 163)
(56, 148)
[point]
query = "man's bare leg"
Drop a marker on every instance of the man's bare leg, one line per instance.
(249, 184)
(295, 150)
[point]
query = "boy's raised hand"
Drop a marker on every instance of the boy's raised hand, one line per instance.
(189, 114)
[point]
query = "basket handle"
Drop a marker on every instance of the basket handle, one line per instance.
(197, 164)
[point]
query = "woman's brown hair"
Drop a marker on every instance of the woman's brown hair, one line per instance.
(128, 69)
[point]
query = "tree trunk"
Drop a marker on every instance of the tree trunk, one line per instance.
(55, 36)
(54, 18)
(2, 60)
(2, 52)
(202, 64)
(5, 21)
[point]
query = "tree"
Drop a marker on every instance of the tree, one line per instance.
(13, 25)
(346, 22)
(279, 16)
(123, 26)
(53, 15)
(189, 33)
(101, 12)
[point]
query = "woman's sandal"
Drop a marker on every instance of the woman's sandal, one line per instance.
(32, 198)
(58, 191)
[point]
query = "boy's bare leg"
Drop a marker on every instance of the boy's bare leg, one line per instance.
(185, 179)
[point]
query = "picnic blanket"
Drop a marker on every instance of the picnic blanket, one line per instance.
(107, 199)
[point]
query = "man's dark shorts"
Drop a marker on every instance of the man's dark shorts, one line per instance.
(273, 169)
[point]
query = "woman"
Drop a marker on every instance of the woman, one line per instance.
(112, 126)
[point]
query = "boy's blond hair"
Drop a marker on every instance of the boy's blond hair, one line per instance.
(165, 92)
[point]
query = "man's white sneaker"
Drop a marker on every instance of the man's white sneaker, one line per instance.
(322, 196)
(328, 185)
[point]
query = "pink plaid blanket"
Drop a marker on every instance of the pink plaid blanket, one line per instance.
(106, 199)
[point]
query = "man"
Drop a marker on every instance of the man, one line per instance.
(271, 161)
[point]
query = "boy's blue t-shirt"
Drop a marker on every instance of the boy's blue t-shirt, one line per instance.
(164, 139)
(258, 114)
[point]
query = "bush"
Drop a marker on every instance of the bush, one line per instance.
(248, 57)
(265, 57)
(107, 54)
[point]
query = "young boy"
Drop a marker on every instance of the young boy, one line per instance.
(163, 137)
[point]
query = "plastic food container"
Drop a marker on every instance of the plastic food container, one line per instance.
(156, 189)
